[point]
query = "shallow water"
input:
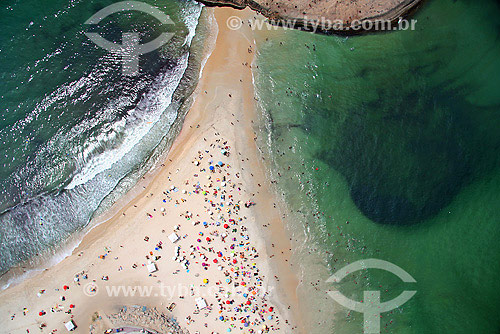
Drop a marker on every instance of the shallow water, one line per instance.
(388, 144)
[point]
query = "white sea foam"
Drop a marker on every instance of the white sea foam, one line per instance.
(97, 158)
(142, 118)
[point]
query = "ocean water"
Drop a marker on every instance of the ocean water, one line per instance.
(74, 132)
(387, 146)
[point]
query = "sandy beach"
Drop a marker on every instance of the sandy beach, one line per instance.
(203, 238)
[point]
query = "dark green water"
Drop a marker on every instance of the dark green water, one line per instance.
(389, 146)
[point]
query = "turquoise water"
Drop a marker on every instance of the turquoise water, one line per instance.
(387, 146)
(74, 131)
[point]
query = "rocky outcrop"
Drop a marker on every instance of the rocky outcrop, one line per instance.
(133, 319)
(327, 16)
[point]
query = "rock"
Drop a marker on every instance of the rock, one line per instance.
(325, 16)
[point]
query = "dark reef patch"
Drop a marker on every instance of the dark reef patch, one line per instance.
(404, 156)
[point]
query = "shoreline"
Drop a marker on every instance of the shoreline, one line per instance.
(119, 226)
(24, 270)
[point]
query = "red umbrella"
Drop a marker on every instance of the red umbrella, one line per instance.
(226, 226)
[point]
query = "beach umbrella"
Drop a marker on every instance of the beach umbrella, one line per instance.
(221, 318)
(215, 261)
(245, 324)
(220, 163)
(211, 168)
(226, 226)
(271, 309)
